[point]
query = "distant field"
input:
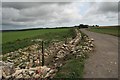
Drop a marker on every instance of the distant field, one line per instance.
(42, 33)
(106, 30)
(20, 39)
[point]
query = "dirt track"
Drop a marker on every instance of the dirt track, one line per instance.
(103, 62)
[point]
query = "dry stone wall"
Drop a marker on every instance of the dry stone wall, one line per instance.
(25, 63)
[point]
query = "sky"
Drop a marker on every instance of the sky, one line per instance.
(22, 15)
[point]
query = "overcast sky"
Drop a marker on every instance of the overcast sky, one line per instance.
(19, 15)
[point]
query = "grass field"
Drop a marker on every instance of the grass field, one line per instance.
(106, 30)
(42, 33)
(20, 39)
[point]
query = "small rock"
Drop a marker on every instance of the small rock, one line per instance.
(91, 45)
(92, 72)
(4, 75)
(51, 71)
(74, 52)
(109, 70)
(90, 49)
(64, 45)
(31, 72)
(44, 69)
(19, 76)
(78, 55)
(37, 76)
(47, 75)
(27, 76)
(56, 59)
(55, 64)
(92, 39)
(60, 65)
(111, 62)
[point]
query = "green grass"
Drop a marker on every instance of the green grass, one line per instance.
(20, 39)
(106, 30)
(19, 35)
(72, 69)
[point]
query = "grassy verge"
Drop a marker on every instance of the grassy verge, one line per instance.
(106, 30)
(20, 39)
(72, 69)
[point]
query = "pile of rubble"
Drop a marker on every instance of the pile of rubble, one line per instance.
(24, 57)
(8, 71)
(25, 63)
(72, 48)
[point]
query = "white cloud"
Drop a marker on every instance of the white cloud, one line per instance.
(102, 13)
(52, 14)
(42, 14)
(60, 0)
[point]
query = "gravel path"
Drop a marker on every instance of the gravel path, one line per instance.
(103, 62)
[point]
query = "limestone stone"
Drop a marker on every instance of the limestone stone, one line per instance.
(31, 72)
(47, 75)
(4, 75)
(56, 59)
(44, 69)
(92, 39)
(79, 55)
(51, 71)
(37, 76)
(91, 45)
(8, 68)
(19, 76)
(27, 76)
